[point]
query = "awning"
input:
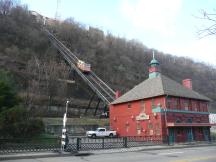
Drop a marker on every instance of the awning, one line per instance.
(190, 124)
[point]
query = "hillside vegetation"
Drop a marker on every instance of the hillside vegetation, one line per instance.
(26, 52)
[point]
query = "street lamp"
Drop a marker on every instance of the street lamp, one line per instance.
(64, 127)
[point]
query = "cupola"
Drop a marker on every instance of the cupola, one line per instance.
(154, 70)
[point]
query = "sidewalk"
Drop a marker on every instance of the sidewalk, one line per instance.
(29, 155)
(148, 148)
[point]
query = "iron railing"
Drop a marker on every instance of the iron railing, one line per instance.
(80, 143)
(29, 145)
(85, 143)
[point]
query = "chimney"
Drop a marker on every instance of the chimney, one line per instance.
(187, 83)
(117, 94)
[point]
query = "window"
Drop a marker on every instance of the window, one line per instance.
(127, 128)
(157, 131)
(178, 120)
(150, 125)
(201, 106)
(204, 107)
(175, 103)
(189, 120)
(153, 103)
(186, 104)
(194, 106)
(129, 105)
(101, 130)
(138, 126)
(168, 103)
(142, 106)
(182, 104)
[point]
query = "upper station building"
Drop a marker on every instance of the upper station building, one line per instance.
(159, 106)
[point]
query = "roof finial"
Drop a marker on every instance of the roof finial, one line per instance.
(153, 54)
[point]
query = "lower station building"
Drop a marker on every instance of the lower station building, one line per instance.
(162, 107)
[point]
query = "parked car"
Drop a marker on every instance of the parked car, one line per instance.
(101, 132)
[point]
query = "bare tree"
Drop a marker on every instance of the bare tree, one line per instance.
(34, 69)
(210, 24)
(5, 6)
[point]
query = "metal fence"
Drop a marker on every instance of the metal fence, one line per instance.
(79, 143)
(85, 143)
(29, 145)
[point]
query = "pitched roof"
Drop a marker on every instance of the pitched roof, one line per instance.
(160, 85)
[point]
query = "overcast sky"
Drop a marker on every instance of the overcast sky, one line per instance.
(169, 26)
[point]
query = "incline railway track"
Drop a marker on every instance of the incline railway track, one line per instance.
(103, 91)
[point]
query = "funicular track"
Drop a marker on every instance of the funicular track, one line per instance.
(103, 91)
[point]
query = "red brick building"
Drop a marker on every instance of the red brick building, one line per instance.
(161, 107)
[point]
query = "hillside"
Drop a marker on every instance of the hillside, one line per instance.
(26, 52)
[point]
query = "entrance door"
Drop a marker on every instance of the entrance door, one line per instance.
(206, 134)
(189, 134)
(171, 136)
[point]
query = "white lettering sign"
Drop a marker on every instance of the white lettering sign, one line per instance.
(142, 116)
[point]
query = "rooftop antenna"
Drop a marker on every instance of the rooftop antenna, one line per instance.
(153, 54)
(57, 14)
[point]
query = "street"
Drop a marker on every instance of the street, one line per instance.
(196, 154)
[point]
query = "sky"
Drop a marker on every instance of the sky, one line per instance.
(169, 26)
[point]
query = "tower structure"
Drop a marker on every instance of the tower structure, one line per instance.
(57, 13)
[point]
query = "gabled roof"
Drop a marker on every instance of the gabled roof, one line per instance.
(157, 86)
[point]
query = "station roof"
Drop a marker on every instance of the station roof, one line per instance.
(158, 86)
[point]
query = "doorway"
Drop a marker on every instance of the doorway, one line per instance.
(171, 136)
(189, 134)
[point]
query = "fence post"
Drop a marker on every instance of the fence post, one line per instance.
(125, 142)
(102, 143)
(168, 142)
(78, 144)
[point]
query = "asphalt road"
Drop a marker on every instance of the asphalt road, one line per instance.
(196, 154)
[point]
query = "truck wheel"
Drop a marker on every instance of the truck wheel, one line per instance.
(110, 135)
(93, 136)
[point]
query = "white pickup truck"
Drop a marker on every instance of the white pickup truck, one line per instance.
(100, 132)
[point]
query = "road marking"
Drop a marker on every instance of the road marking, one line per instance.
(195, 159)
(168, 153)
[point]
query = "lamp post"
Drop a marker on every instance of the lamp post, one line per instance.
(64, 127)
